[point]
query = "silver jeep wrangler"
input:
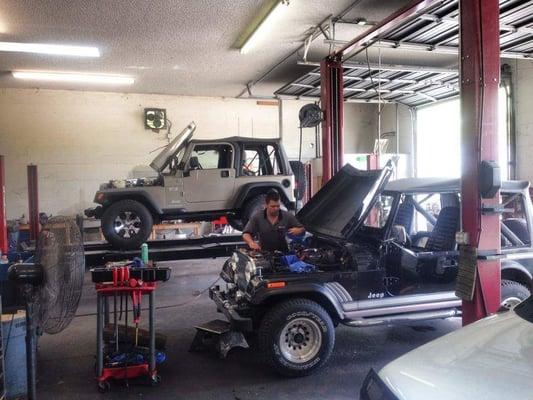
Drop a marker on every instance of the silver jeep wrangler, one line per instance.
(197, 180)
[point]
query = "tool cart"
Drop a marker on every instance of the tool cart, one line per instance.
(121, 355)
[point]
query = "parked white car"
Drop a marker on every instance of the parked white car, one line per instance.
(491, 359)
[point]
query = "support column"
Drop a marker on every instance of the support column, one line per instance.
(3, 221)
(33, 201)
(480, 69)
(332, 101)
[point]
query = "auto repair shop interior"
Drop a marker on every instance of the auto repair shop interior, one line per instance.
(266, 199)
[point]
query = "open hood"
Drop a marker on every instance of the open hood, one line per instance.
(341, 205)
(163, 158)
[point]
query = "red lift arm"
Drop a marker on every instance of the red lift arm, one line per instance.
(480, 77)
(33, 201)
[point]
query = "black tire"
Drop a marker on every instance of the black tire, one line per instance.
(252, 206)
(236, 223)
(133, 212)
(289, 319)
(298, 169)
(512, 293)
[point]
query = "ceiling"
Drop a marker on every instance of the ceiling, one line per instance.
(430, 35)
(178, 47)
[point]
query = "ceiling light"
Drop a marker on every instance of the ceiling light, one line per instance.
(74, 77)
(361, 21)
(265, 26)
(55, 49)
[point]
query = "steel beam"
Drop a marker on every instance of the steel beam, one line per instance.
(408, 13)
(3, 221)
(332, 100)
(33, 201)
(480, 73)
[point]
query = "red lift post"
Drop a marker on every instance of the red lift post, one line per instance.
(332, 100)
(3, 220)
(33, 201)
(480, 77)
(480, 66)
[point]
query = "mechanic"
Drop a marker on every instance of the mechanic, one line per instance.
(271, 225)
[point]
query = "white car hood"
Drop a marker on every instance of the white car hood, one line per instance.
(489, 359)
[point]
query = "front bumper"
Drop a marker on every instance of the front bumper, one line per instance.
(95, 212)
(228, 307)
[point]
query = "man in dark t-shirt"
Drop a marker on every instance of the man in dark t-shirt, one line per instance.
(271, 225)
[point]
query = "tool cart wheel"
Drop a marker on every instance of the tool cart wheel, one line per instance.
(155, 380)
(104, 387)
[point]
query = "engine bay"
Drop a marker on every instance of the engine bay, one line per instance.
(133, 182)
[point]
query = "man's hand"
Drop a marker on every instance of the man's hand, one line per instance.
(296, 231)
(251, 242)
(254, 246)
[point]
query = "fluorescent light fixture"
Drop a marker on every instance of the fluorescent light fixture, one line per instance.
(55, 49)
(74, 77)
(265, 26)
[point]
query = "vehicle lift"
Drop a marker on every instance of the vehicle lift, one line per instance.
(479, 56)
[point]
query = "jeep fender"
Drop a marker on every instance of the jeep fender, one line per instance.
(314, 291)
(141, 196)
(513, 270)
(256, 188)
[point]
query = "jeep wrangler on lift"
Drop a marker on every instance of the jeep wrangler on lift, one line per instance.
(380, 253)
(198, 180)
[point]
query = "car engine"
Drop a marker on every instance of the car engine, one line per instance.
(134, 182)
(245, 265)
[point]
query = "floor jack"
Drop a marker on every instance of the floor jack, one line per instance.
(121, 358)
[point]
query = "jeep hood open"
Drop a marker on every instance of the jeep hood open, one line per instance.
(341, 205)
(163, 158)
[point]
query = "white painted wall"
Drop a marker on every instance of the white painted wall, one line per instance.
(81, 139)
(360, 126)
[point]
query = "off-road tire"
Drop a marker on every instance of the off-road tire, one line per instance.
(252, 206)
(278, 319)
(236, 223)
(512, 293)
(108, 224)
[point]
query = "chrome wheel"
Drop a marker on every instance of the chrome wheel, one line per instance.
(510, 302)
(300, 340)
(127, 224)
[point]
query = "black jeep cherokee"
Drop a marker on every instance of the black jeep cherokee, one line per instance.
(379, 254)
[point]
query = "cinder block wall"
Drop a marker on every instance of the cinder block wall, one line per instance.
(81, 139)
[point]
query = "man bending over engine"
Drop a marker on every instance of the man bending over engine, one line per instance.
(271, 225)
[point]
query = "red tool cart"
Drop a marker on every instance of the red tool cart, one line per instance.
(121, 357)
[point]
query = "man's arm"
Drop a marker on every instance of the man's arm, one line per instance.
(248, 231)
(250, 241)
(295, 227)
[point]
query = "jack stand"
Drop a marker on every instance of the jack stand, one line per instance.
(217, 335)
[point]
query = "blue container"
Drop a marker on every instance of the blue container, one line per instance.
(14, 343)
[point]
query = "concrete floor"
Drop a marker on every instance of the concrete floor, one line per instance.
(66, 360)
